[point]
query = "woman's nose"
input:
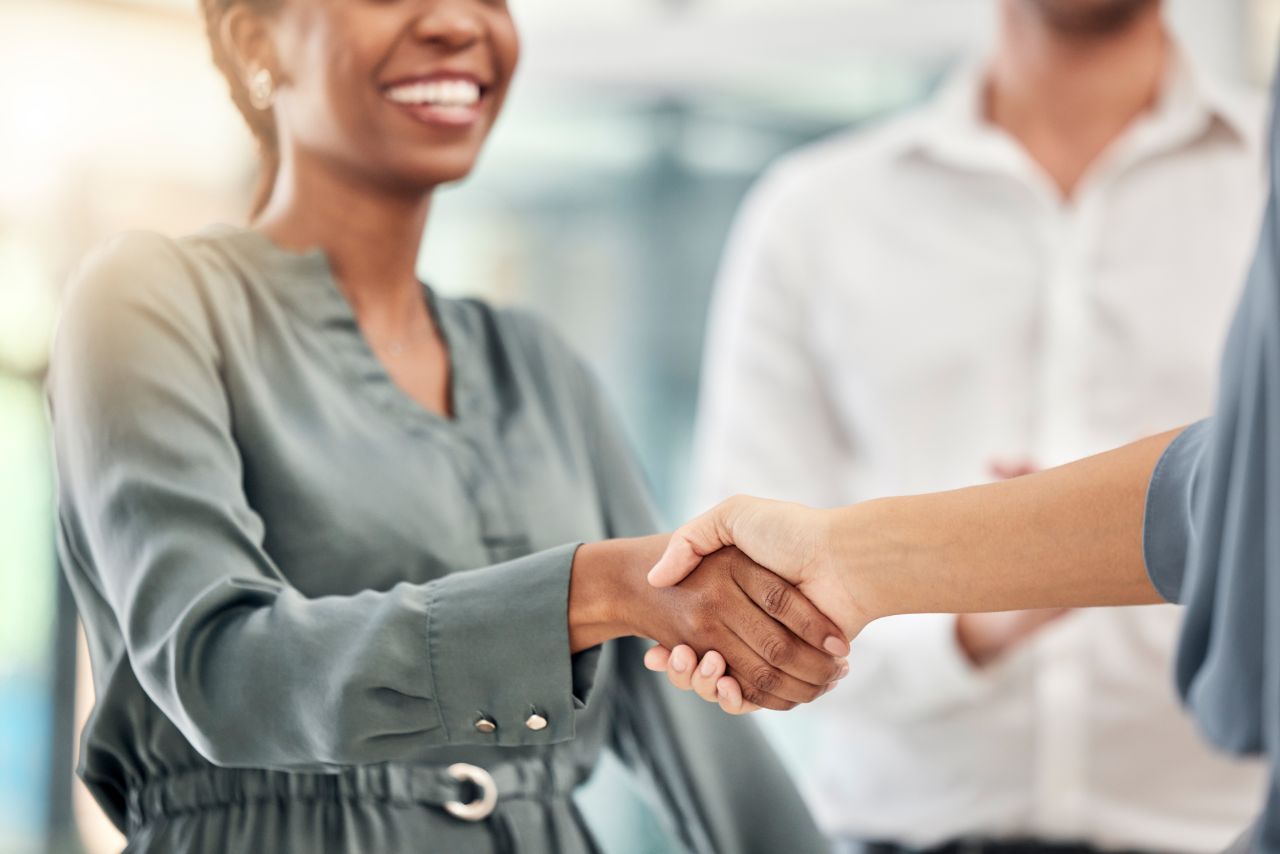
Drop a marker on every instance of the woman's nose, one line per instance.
(452, 23)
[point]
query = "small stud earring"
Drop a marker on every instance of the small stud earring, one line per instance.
(262, 89)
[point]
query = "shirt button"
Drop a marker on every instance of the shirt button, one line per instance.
(535, 722)
(486, 724)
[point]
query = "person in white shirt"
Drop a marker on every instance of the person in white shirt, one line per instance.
(965, 293)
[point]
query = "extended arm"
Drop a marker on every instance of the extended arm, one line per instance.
(1067, 537)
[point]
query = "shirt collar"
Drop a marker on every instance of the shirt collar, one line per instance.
(953, 128)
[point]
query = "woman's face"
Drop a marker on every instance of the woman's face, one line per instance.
(399, 92)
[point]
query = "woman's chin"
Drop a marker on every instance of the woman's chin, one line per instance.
(436, 172)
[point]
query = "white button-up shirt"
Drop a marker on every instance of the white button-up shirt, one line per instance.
(900, 308)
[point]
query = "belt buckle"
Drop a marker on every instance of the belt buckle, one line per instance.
(483, 806)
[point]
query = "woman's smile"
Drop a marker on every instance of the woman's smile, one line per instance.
(443, 99)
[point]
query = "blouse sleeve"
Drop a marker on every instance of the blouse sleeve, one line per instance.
(1210, 537)
(1168, 529)
(253, 672)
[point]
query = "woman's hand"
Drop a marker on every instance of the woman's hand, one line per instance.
(773, 640)
(791, 540)
(775, 645)
(707, 677)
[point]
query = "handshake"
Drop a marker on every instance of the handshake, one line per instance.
(753, 604)
(746, 607)
(787, 547)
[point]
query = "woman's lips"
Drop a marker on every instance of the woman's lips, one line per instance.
(440, 101)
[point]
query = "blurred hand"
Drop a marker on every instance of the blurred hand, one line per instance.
(1009, 469)
(986, 637)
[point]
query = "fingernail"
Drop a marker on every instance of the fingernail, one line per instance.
(678, 664)
(708, 667)
(844, 670)
(836, 647)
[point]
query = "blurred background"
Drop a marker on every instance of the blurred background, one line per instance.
(603, 201)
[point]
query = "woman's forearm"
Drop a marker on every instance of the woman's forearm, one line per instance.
(1066, 537)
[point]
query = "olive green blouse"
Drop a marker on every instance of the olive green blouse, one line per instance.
(306, 596)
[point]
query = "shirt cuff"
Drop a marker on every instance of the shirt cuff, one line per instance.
(499, 647)
(1168, 524)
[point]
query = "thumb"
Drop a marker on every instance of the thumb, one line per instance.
(690, 544)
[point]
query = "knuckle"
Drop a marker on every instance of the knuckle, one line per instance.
(700, 617)
(706, 627)
(775, 599)
(777, 650)
(766, 678)
(730, 566)
(807, 627)
(765, 700)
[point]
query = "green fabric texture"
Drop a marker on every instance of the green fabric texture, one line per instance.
(302, 590)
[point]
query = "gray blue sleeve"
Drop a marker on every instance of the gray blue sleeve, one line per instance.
(1212, 539)
(1168, 529)
(253, 672)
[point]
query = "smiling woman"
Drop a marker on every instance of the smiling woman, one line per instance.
(324, 526)
(340, 86)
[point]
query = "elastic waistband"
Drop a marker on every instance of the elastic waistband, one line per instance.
(214, 788)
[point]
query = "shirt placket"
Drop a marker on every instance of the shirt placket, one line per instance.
(501, 533)
(1060, 689)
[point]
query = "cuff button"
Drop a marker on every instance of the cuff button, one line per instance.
(535, 722)
(486, 724)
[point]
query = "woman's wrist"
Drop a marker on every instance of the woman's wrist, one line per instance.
(607, 577)
(867, 551)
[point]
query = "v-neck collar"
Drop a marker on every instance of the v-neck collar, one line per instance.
(305, 280)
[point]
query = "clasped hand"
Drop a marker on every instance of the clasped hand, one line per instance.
(793, 542)
(757, 628)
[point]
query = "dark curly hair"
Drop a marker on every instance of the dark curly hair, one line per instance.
(261, 122)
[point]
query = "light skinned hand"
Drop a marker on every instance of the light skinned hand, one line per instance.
(785, 538)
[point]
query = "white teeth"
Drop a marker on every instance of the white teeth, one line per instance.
(439, 93)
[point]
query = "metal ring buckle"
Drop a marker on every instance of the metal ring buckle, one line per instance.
(483, 806)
